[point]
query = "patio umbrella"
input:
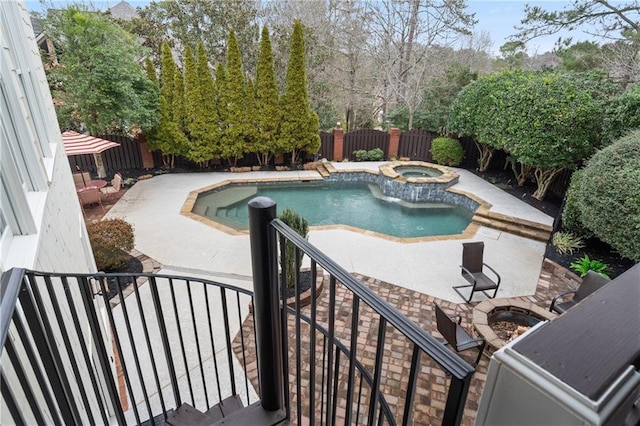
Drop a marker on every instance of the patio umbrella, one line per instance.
(76, 144)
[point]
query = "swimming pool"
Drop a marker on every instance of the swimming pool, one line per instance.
(355, 204)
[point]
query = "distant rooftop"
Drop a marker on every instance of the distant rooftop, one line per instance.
(124, 11)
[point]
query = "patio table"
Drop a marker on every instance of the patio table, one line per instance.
(94, 183)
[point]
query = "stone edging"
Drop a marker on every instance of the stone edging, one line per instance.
(149, 266)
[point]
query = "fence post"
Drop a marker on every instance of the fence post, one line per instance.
(264, 265)
(338, 144)
(394, 142)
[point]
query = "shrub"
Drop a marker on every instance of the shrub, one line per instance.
(567, 242)
(299, 224)
(375, 154)
(584, 265)
(603, 197)
(111, 240)
(447, 151)
(361, 155)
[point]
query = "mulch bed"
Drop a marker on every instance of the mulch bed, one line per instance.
(303, 285)
(595, 248)
(133, 266)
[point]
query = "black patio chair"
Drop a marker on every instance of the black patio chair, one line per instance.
(590, 283)
(455, 335)
(472, 271)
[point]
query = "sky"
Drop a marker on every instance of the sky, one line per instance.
(497, 17)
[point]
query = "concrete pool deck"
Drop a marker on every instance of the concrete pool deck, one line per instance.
(432, 267)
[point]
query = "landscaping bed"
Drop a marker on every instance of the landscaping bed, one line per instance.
(593, 247)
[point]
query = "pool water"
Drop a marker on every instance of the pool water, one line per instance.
(417, 172)
(359, 205)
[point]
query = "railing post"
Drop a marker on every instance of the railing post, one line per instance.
(264, 264)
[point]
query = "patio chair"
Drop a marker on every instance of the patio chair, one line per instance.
(116, 184)
(88, 196)
(81, 177)
(590, 283)
(455, 335)
(472, 271)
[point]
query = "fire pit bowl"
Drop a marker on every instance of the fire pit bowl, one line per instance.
(499, 320)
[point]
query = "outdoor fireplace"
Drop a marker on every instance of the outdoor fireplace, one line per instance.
(499, 321)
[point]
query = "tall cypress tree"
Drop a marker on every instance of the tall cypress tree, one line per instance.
(235, 134)
(168, 137)
(191, 91)
(267, 113)
(150, 69)
(205, 130)
(299, 126)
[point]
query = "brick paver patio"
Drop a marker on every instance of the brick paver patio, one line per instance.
(433, 384)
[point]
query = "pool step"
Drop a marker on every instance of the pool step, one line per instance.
(513, 225)
(322, 170)
(224, 212)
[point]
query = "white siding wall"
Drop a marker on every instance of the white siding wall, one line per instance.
(41, 222)
(56, 241)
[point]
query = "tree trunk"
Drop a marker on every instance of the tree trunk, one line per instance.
(523, 174)
(486, 152)
(544, 177)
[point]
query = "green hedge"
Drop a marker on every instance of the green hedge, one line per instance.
(604, 197)
(447, 151)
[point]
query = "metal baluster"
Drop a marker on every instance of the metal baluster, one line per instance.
(134, 348)
(98, 340)
(355, 315)
(411, 386)
(296, 286)
(227, 335)
(179, 327)
(244, 353)
(312, 344)
(150, 349)
(382, 329)
(85, 353)
(116, 336)
(24, 382)
(40, 327)
(195, 332)
(213, 346)
(67, 344)
(331, 337)
(162, 327)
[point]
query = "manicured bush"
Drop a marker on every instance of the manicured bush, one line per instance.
(361, 155)
(604, 197)
(447, 151)
(111, 240)
(375, 154)
(301, 226)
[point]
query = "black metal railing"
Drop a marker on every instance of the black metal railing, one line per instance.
(169, 342)
(350, 355)
(70, 355)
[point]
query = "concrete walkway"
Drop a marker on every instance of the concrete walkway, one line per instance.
(153, 207)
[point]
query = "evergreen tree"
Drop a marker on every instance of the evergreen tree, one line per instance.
(299, 127)
(250, 113)
(235, 134)
(221, 101)
(267, 114)
(178, 105)
(204, 130)
(191, 92)
(168, 137)
(150, 69)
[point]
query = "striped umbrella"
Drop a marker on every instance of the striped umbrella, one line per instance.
(76, 144)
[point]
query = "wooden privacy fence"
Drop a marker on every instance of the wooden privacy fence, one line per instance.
(416, 145)
(326, 145)
(413, 144)
(366, 139)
